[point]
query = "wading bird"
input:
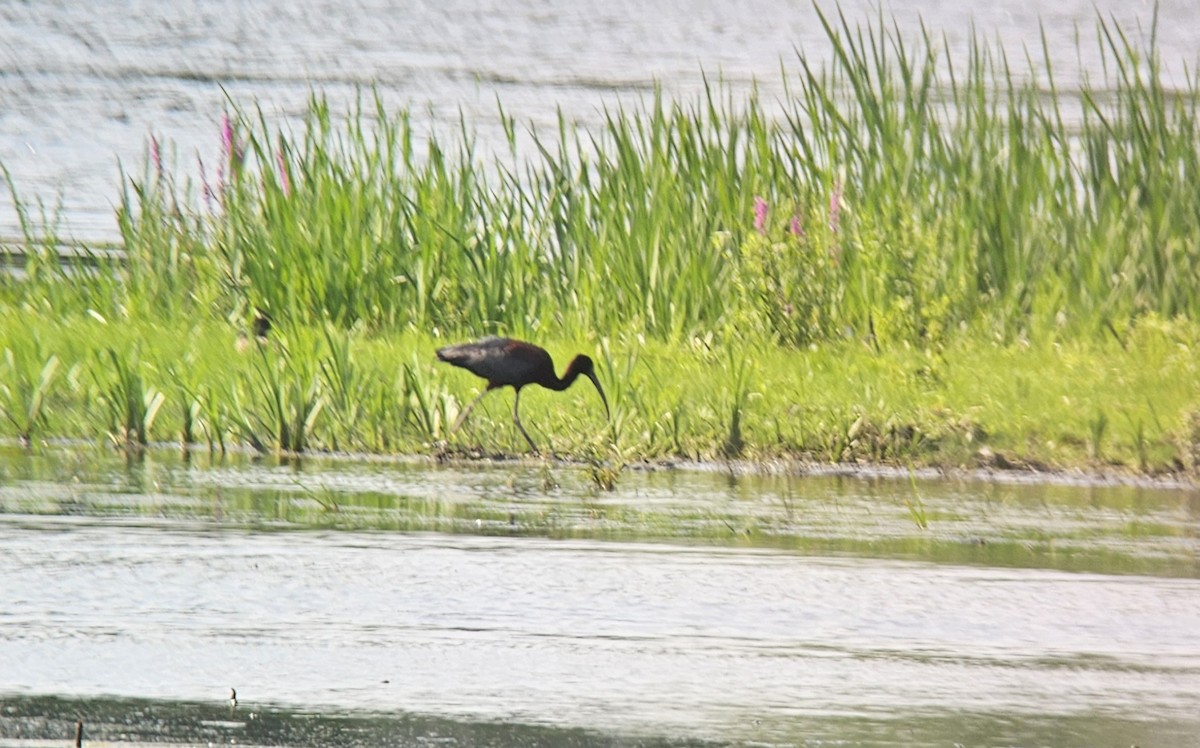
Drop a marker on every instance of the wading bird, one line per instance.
(504, 361)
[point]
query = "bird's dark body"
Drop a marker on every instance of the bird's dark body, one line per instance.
(515, 363)
(502, 361)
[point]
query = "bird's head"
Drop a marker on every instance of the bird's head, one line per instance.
(583, 365)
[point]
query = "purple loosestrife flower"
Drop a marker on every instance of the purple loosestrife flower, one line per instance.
(760, 215)
(835, 219)
(796, 226)
(226, 136)
(234, 151)
(232, 155)
(835, 206)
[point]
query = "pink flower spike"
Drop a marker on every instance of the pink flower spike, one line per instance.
(226, 136)
(760, 215)
(796, 226)
(234, 152)
(285, 181)
(835, 206)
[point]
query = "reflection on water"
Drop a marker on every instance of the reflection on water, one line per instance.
(389, 595)
(1098, 528)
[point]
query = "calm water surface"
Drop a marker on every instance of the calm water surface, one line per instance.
(356, 602)
(84, 85)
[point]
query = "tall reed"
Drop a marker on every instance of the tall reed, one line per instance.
(903, 193)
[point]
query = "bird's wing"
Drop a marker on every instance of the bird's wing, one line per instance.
(501, 361)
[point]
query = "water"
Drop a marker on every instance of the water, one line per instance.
(84, 85)
(356, 602)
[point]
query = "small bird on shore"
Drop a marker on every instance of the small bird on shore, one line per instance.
(507, 362)
(261, 324)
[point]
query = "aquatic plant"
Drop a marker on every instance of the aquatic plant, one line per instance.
(740, 370)
(168, 270)
(914, 504)
(345, 384)
(285, 398)
(425, 406)
(26, 383)
(130, 404)
(604, 476)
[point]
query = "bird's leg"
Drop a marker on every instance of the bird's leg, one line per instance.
(517, 420)
(463, 415)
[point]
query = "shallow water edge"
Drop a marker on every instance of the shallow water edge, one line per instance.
(397, 602)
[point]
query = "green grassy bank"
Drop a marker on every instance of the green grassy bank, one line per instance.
(917, 259)
(974, 402)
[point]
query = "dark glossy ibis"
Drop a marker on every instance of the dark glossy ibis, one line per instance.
(507, 362)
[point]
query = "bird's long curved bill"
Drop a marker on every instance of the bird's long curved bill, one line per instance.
(603, 399)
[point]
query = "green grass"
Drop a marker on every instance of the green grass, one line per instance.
(969, 403)
(922, 256)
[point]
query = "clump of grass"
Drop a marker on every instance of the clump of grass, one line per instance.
(1141, 445)
(287, 397)
(48, 277)
(213, 419)
(605, 476)
(1190, 440)
(915, 506)
(345, 383)
(189, 416)
(739, 367)
(425, 406)
(1096, 428)
(605, 471)
(169, 270)
(677, 422)
(26, 384)
(620, 370)
(130, 404)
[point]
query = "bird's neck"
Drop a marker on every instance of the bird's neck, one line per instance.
(568, 378)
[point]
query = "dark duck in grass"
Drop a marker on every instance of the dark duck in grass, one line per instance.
(507, 362)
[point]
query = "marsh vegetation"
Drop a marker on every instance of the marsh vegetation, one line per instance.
(912, 258)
